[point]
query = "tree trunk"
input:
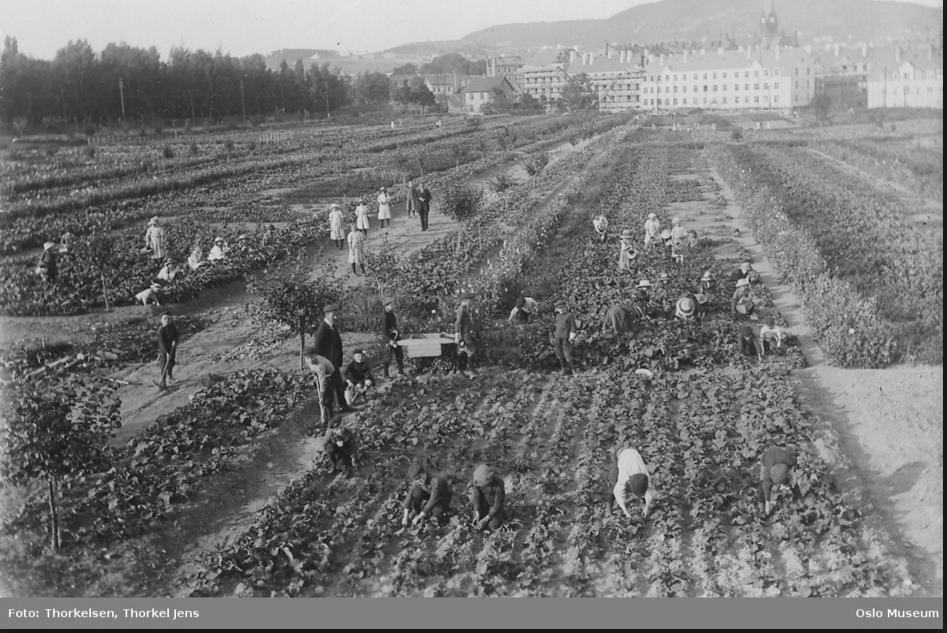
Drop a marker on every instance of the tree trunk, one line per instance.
(105, 292)
(302, 346)
(54, 538)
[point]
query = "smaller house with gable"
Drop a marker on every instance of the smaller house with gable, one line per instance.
(479, 91)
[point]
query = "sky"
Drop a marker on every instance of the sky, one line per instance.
(244, 27)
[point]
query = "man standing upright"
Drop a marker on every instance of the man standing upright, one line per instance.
(563, 337)
(463, 336)
(390, 331)
(328, 344)
(411, 199)
(167, 348)
(424, 204)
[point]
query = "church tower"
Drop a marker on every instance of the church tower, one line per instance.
(769, 28)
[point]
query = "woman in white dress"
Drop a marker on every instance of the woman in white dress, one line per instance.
(356, 250)
(361, 216)
(336, 232)
(384, 208)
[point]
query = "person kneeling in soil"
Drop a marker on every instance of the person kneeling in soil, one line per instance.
(622, 317)
(524, 308)
(487, 494)
(429, 494)
(342, 449)
(687, 308)
(633, 479)
(776, 468)
(600, 224)
(772, 336)
(748, 343)
(358, 377)
(742, 304)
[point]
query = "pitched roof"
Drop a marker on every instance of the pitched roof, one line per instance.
(603, 65)
(486, 84)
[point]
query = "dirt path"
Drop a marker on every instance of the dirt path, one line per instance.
(888, 421)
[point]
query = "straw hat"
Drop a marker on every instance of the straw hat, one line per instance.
(701, 298)
(652, 216)
(153, 221)
(706, 276)
(482, 475)
(685, 307)
(664, 277)
(627, 234)
(644, 283)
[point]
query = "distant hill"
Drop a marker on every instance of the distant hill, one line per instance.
(871, 20)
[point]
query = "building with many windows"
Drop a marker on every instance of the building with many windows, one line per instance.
(543, 77)
(751, 79)
(616, 82)
(900, 78)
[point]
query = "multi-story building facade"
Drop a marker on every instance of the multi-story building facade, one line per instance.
(751, 79)
(906, 79)
(504, 67)
(543, 80)
(616, 82)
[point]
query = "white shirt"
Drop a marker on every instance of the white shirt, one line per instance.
(630, 463)
(217, 252)
(600, 224)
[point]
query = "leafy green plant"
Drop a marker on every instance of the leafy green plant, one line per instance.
(298, 305)
(56, 435)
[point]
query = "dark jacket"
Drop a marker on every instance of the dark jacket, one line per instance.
(463, 324)
(492, 495)
(167, 335)
(438, 493)
(347, 451)
(48, 261)
(748, 342)
(358, 372)
(565, 323)
(391, 326)
(328, 343)
(424, 200)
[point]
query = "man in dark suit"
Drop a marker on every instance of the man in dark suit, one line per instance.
(424, 204)
(328, 343)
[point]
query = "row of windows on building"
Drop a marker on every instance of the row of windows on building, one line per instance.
(918, 75)
(705, 101)
(713, 88)
(723, 75)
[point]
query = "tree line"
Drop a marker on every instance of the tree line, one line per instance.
(127, 83)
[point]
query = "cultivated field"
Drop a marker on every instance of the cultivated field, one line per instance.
(220, 488)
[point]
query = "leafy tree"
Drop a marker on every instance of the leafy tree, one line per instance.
(56, 434)
(500, 185)
(821, 103)
(461, 203)
(298, 305)
(577, 94)
(371, 88)
(407, 69)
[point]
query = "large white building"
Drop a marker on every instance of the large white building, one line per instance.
(905, 79)
(750, 79)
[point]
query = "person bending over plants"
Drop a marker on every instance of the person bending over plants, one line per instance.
(341, 447)
(633, 481)
(487, 495)
(776, 468)
(622, 317)
(429, 494)
(748, 343)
